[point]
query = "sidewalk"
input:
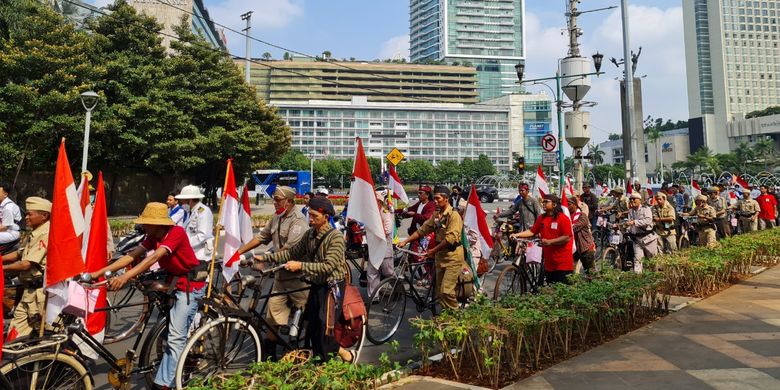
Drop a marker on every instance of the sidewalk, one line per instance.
(728, 341)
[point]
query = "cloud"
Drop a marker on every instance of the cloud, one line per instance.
(395, 48)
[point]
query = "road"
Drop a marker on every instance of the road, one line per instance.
(370, 353)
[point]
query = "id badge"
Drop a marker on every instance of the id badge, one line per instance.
(554, 226)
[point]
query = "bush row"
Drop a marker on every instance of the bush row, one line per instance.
(492, 343)
(703, 271)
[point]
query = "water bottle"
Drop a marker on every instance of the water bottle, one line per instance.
(295, 321)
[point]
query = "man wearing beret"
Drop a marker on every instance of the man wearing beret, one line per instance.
(285, 229)
(705, 226)
(447, 249)
(30, 262)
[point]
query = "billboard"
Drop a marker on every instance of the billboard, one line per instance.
(533, 133)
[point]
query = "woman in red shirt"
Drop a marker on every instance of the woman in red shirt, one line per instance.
(768, 206)
(554, 229)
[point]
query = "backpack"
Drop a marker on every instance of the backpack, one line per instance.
(349, 325)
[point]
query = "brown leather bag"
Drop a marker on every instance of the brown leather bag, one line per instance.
(349, 325)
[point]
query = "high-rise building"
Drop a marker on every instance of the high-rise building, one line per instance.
(732, 64)
(306, 79)
(486, 34)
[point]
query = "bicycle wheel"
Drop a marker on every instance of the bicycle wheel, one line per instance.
(509, 282)
(123, 321)
(496, 255)
(611, 258)
(152, 350)
(534, 277)
(222, 346)
(386, 310)
(47, 371)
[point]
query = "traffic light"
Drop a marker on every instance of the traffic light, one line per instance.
(521, 164)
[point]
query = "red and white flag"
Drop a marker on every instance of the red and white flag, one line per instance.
(565, 207)
(568, 184)
(245, 216)
(97, 258)
(394, 182)
(231, 223)
(86, 210)
(695, 189)
(739, 181)
(476, 220)
(364, 208)
(63, 253)
(540, 182)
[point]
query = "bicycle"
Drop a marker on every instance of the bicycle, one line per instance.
(687, 231)
(388, 302)
(56, 362)
(620, 254)
(503, 244)
(601, 233)
(521, 276)
(232, 341)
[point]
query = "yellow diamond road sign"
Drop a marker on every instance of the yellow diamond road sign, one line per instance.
(395, 156)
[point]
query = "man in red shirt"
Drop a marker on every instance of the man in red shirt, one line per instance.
(172, 250)
(554, 229)
(768, 206)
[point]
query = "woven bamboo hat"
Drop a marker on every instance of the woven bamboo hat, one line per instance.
(155, 213)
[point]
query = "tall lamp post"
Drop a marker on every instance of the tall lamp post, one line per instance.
(89, 100)
(520, 69)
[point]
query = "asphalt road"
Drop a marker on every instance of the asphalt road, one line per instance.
(370, 353)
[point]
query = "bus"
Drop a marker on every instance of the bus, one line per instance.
(266, 181)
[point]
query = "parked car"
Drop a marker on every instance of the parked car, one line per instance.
(487, 193)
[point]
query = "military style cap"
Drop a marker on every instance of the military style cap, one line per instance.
(618, 190)
(701, 198)
(284, 192)
(635, 195)
(661, 194)
(37, 204)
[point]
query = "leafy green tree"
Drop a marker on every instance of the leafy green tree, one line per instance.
(596, 155)
(267, 56)
(603, 172)
(44, 66)
(614, 137)
(774, 110)
(448, 171)
(483, 167)
(293, 160)
(415, 171)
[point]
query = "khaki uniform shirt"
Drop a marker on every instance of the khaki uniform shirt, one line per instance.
(34, 251)
(719, 205)
(667, 211)
(620, 205)
(705, 211)
(284, 230)
(447, 226)
(749, 206)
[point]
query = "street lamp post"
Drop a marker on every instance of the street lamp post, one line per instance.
(89, 100)
(520, 69)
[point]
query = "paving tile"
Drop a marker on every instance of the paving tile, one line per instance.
(737, 379)
(768, 348)
(616, 357)
(637, 380)
(746, 357)
(686, 354)
(773, 372)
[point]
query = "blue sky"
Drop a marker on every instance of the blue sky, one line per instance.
(369, 29)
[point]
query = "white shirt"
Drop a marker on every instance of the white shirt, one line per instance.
(11, 214)
(200, 230)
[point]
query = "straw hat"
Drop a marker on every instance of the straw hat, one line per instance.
(155, 213)
(190, 192)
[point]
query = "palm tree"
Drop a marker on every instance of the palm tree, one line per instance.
(744, 153)
(596, 155)
(765, 149)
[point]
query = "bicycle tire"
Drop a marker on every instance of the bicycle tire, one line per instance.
(121, 328)
(384, 317)
(223, 346)
(509, 282)
(67, 371)
(611, 258)
(534, 276)
(152, 350)
(496, 255)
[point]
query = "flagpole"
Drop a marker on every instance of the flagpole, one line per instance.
(217, 230)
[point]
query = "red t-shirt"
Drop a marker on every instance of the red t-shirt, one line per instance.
(556, 257)
(768, 205)
(179, 259)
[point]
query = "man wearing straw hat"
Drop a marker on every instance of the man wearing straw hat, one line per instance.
(173, 252)
(30, 261)
(200, 224)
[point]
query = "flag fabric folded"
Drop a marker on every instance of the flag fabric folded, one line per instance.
(363, 207)
(245, 216)
(475, 219)
(63, 253)
(540, 182)
(695, 189)
(565, 207)
(739, 181)
(395, 185)
(230, 221)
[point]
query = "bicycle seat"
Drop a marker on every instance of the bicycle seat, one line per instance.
(155, 286)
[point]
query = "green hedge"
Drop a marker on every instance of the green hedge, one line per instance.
(497, 341)
(703, 271)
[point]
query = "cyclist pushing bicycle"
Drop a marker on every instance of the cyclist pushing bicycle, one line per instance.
(555, 230)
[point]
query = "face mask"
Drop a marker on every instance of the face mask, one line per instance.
(280, 210)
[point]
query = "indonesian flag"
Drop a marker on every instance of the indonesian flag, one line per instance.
(63, 253)
(540, 182)
(245, 216)
(476, 220)
(364, 208)
(97, 258)
(565, 207)
(230, 220)
(738, 181)
(568, 184)
(394, 183)
(86, 210)
(695, 189)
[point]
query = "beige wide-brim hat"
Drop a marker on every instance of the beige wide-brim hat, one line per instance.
(190, 192)
(155, 213)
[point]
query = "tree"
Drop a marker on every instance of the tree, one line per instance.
(293, 160)
(745, 154)
(326, 55)
(415, 171)
(615, 137)
(267, 56)
(765, 150)
(603, 172)
(448, 171)
(596, 155)
(774, 110)
(286, 56)
(483, 167)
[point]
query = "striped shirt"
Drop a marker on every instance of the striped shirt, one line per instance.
(328, 264)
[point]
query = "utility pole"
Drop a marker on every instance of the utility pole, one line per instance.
(248, 17)
(629, 79)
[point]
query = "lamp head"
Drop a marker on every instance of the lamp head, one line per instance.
(520, 69)
(89, 100)
(597, 58)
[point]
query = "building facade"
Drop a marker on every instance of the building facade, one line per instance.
(486, 34)
(530, 119)
(732, 62)
(753, 130)
(673, 146)
(306, 79)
